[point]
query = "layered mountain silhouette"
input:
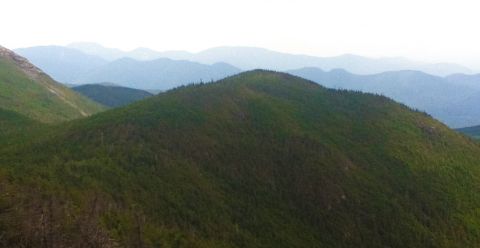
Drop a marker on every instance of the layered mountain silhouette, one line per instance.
(158, 74)
(260, 159)
(72, 66)
(453, 100)
(26, 89)
(247, 58)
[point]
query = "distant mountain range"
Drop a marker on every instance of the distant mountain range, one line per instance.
(72, 66)
(453, 100)
(160, 74)
(110, 95)
(247, 58)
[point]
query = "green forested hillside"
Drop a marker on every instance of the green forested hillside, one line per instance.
(260, 159)
(15, 128)
(27, 90)
(111, 96)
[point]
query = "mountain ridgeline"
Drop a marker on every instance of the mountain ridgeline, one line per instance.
(25, 89)
(72, 66)
(259, 159)
(158, 74)
(247, 58)
(453, 100)
(63, 64)
(111, 95)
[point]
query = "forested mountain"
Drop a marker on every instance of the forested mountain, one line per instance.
(110, 95)
(260, 159)
(453, 102)
(27, 90)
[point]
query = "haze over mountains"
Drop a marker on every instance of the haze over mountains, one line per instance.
(248, 58)
(75, 67)
(87, 67)
(452, 99)
(64, 65)
(157, 74)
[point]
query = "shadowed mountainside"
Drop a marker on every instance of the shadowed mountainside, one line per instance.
(110, 95)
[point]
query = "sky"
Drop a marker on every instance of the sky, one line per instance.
(425, 30)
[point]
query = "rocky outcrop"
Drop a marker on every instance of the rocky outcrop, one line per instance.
(22, 62)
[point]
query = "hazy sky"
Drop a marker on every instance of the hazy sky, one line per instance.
(429, 30)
